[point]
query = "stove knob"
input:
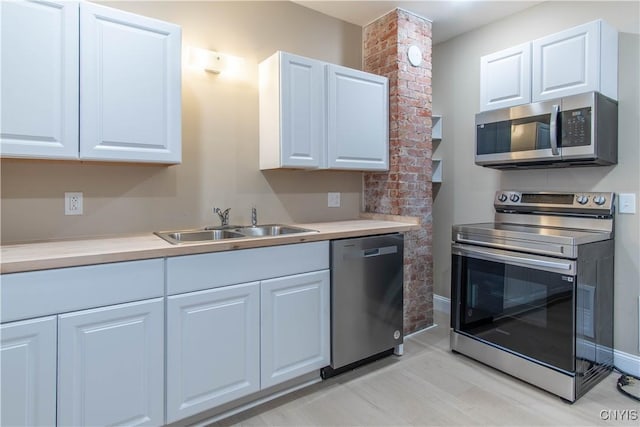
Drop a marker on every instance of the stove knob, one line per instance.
(502, 197)
(515, 198)
(599, 200)
(582, 200)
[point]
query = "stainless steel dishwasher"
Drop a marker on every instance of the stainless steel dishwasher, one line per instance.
(366, 300)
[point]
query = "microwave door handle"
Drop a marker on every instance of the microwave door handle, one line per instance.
(553, 129)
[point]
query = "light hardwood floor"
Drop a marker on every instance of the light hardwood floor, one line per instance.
(431, 386)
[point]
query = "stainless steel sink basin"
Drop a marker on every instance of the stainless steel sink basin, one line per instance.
(211, 234)
(271, 230)
(192, 236)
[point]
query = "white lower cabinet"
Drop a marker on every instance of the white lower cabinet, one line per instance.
(294, 326)
(213, 348)
(76, 351)
(111, 365)
(28, 375)
(228, 342)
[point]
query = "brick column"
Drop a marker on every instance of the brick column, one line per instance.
(406, 188)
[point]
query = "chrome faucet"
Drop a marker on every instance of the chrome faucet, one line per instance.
(223, 214)
(254, 217)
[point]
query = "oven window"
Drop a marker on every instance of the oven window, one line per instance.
(525, 310)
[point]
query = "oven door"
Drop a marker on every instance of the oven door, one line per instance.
(519, 302)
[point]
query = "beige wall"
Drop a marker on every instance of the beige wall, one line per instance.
(220, 139)
(465, 195)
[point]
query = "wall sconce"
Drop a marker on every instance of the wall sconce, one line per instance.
(214, 62)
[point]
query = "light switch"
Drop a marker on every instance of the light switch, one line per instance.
(627, 203)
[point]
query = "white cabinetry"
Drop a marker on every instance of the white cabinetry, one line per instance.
(39, 90)
(578, 60)
(97, 356)
(28, 373)
(213, 348)
(86, 345)
(319, 115)
(113, 75)
(129, 87)
(237, 330)
(505, 78)
(111, 365)
(294, 327)
(292, 117)
(358, 120)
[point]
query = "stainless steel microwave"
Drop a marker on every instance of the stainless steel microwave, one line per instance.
(579, 130)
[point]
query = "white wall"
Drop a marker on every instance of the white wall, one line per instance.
(467, 192)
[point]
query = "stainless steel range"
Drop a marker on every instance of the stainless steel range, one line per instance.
(532, 291)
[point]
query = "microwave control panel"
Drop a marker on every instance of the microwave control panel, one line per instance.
(576, 127)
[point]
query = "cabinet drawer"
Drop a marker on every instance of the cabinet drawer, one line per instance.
(197, 272)
(41, 293)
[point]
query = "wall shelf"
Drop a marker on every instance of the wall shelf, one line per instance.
(436, 136)
(436, 170)
(436, 127)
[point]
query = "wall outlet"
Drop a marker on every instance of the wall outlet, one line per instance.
(73, 203)
(333, 200)
(627, 203)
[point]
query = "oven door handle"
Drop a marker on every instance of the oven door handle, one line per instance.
(567, 267)
(549, 248)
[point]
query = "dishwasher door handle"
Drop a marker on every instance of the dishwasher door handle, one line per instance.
(386, 250)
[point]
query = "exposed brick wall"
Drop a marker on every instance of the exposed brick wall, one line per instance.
(406, 189)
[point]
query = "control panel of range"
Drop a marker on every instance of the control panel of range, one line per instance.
(506, 200)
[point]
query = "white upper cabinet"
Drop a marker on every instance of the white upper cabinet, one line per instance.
(291, 112)
(39, 90)
(316, 115)
(505, 78)
(130, 94)
(82, 81)
(358, 120)
(580, 59)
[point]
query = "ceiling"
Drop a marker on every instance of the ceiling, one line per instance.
(450, 18)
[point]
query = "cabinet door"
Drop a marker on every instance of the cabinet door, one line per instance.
(39, 79)
(130, 94)
(505, 78)
(303, 114)
(358, 120)
(292, 113)
(213, 348)
(28, 393)
(567, 63)
(294, 327)
(111, 365)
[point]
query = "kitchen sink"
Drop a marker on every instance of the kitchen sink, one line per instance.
(271, 230)
(191, 236)
(210, 234)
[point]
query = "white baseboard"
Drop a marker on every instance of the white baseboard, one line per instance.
(629, 363)
(442, 304)
(626, 362)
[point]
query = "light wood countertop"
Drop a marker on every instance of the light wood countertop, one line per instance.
(70, 253)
